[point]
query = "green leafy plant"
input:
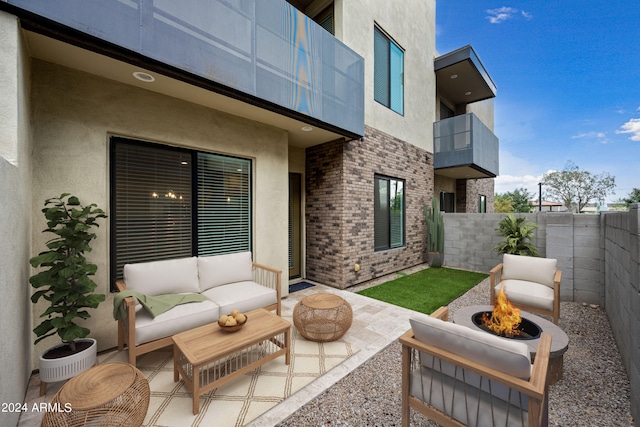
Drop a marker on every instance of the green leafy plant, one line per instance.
(65, 282)
(435, 227)
(518, 235)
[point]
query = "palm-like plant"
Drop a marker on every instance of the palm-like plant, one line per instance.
(518, 236)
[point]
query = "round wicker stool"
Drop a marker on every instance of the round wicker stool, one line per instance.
(112, 394)
(322, 317)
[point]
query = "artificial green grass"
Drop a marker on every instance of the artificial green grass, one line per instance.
(426, 290)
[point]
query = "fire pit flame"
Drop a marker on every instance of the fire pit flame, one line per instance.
(505, 319)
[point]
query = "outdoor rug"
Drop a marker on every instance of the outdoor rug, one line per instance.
(242, 400)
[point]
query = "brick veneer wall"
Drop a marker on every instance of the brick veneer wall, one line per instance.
(468, 191)
(339, 207)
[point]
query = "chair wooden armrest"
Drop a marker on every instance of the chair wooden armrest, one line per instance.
(441, 313)
(127, 326)
(495, 275)
(557, 278)
(535, 388)
(271, 278)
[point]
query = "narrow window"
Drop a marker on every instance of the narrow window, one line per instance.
(388, 213)
(388, 76)
(482, 204)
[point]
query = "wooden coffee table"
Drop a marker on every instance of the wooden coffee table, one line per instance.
(208, 357)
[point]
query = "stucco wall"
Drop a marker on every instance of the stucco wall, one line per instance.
(74, 114)
(411, 24)
(15, 224)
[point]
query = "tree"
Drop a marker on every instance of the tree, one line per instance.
(575, 188)
(502, 204)
(513, 201)
(633, 197)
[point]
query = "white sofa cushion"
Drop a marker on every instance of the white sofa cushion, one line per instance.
(508, 356)
(172, 276)
(178, 319)
(243, 296)
(220, 270)
(530, 269)
(529, 293)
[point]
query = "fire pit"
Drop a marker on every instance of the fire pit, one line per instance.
(559, 339)
(525, 330)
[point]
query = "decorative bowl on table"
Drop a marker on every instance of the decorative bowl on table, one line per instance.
(232, 322)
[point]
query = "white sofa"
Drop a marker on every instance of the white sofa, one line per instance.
(531, 283)
(229, 282)
(455, 375)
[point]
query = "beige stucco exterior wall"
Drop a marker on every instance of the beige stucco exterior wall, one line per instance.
(411, 24)
(74, 114)
(15, 222)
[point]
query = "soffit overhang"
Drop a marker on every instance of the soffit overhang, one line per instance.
(461, 78)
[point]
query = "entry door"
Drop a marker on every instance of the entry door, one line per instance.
(295, 224)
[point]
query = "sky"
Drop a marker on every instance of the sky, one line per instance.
(568, 79)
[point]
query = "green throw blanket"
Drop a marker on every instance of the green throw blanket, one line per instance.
(155, 305)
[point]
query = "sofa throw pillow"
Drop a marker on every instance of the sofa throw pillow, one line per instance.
(224, 269)
(510, 357)
(172, 276)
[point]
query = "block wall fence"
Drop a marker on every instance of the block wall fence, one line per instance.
(599, 256)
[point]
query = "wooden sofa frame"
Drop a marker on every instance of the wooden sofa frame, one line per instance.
(263, 275)
(495, 277)
(536, 388)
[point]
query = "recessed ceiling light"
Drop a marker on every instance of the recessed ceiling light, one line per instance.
(145, 77)
(454, 76)
(307, 128)
(467, 93)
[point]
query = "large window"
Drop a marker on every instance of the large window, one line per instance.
(171, 203)
(388, 213)
(388, 74)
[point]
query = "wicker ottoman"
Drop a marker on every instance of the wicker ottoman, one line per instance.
(112, 394)
(322, 317)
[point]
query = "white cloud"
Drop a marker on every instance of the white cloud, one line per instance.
(590, 135)
(501, 14)
(631, 127)
(601, 136)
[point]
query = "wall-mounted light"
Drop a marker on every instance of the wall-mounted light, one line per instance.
(144, 77)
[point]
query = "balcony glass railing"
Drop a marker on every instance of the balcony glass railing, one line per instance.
(465, 141)
(264, 48)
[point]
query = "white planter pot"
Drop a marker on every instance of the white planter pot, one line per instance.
(53, 370)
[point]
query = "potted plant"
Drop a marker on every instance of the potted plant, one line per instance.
(435, 234)
(65, 282)
(518, 235)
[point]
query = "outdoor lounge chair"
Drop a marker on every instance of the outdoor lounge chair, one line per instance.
(530, 283)
(457, 376)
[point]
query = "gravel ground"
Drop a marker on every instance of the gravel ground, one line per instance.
(594, 390)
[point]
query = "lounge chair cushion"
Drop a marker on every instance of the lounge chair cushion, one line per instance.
(530, 269)
(243, 296)
(173, 276)
(528, 293)
(224, 269)
(507, 356)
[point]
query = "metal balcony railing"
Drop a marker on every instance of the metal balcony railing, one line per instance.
(464, 141)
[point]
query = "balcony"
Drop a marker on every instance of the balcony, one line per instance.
(264, 53)
(464, 148)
